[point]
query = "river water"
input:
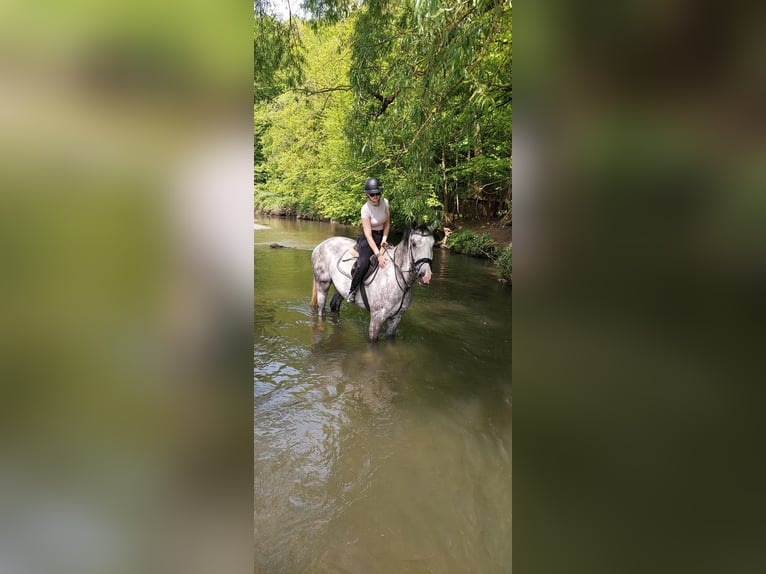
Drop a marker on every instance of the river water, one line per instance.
(392, 457)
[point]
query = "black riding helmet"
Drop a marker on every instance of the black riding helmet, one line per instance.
(372, 185)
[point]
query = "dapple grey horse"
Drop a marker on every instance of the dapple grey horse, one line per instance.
(388, 288)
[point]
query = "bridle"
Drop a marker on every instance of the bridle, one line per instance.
(399, 272)
(416, 266)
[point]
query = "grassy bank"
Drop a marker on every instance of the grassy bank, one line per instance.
(482, 245)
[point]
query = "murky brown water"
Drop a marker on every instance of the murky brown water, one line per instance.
(386, 458)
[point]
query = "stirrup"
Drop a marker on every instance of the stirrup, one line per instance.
(351, 296)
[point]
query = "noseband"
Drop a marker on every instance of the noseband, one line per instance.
(416, 266)
(420, 262)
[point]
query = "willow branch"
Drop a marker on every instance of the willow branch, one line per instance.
(310, 92)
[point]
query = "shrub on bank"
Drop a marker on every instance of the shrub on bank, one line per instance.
(475, 245)
(470, 243)
(504, 262)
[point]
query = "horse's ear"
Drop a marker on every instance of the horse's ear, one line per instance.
(424, 227)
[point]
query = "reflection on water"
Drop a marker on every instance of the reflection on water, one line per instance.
(393, 457)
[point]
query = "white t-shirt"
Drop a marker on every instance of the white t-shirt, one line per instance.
(376, 214)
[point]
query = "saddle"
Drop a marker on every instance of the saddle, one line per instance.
(347, 266)
(352, 256)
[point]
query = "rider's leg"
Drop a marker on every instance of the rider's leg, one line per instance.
(362, 265)
(355, 281)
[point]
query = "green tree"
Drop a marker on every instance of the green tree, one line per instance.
(433, 92)
(305, 148)
(277, 54)
(415, 92)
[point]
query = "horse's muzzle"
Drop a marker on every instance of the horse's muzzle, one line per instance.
(424, 275)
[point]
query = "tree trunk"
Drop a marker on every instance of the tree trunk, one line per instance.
(445, 190)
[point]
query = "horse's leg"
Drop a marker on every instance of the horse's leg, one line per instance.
(322, 288)
(376, 322)
(322, 279)
(335, 302)
(393, 323)
(395, 319)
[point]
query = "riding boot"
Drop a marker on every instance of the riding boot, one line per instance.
(355, 281)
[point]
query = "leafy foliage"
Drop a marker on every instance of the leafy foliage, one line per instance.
(432, 93)
(415, 92)
(505, 262)
(277, 55)
(329, 11)
(482, 245)
(305, 152)
(470, 243)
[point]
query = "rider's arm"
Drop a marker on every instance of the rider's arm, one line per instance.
(386, 227)
(367, 228)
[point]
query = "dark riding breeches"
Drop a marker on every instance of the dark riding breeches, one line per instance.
(365, 253)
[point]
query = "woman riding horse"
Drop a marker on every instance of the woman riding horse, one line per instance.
(376, 222)
(390, 293)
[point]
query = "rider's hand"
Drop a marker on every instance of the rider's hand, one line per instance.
(384, 245)
(382, 260)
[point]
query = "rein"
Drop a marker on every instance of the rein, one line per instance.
(416, 265)
(398, 270)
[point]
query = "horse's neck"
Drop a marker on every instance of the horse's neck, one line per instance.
(403, 261)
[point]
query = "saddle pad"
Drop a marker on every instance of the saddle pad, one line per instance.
(348, 261)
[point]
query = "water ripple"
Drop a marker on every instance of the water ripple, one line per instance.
(381, 458)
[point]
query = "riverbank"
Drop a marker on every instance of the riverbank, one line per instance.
(499, 230)
(484, 238)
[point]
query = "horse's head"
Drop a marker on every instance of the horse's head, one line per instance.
(421, 245)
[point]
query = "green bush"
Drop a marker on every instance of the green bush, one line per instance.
(504, 262)
(470, 243)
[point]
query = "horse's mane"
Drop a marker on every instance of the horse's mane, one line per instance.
(407, 232)
(406, 238)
